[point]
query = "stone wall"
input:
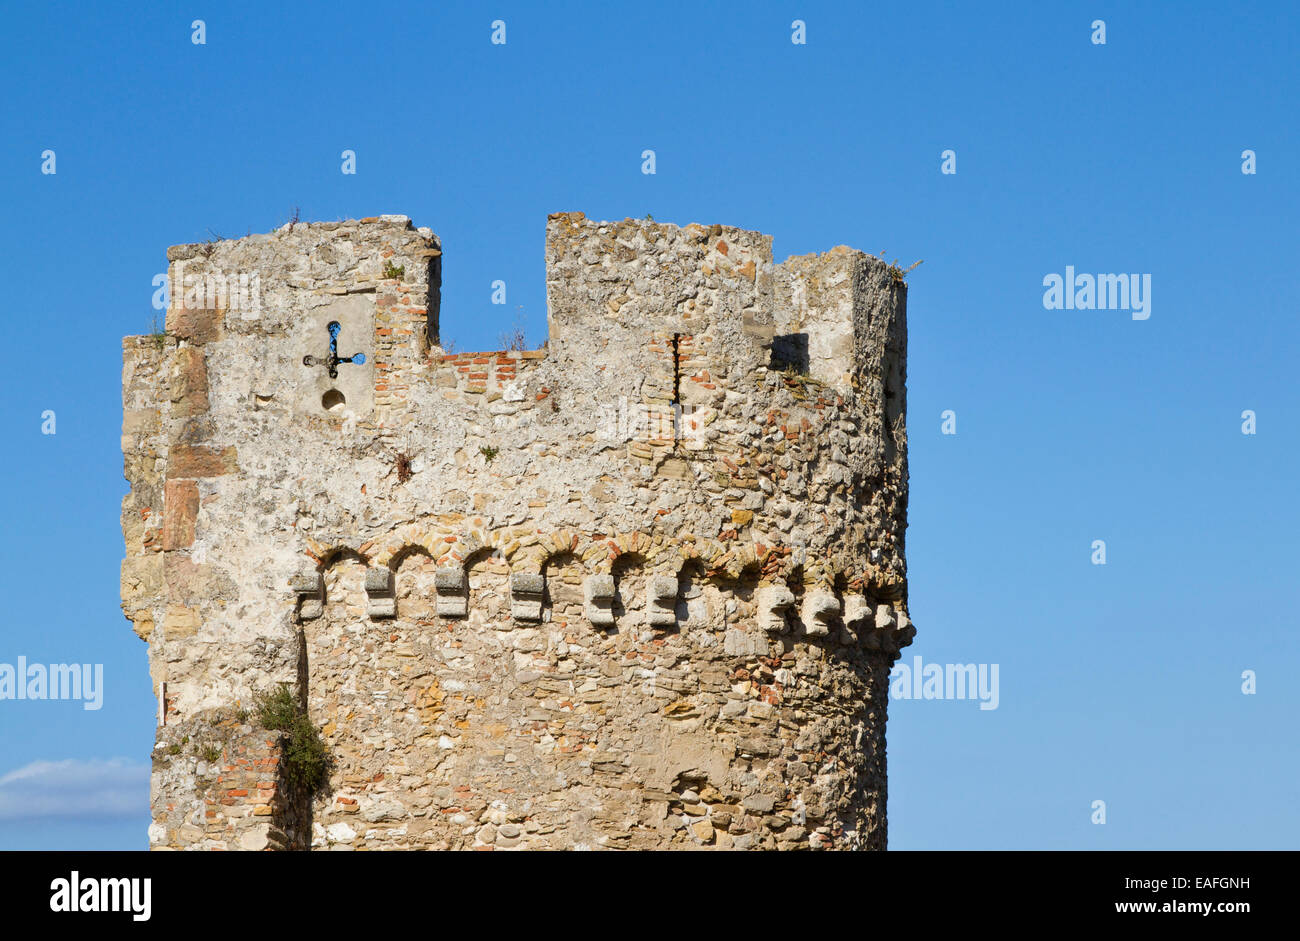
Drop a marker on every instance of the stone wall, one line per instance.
(639, 589)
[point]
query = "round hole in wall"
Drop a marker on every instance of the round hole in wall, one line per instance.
(333, 400)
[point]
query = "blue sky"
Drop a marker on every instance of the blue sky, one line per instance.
(1118, 682)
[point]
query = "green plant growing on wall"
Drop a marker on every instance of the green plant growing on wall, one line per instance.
(158, 332)
(305, 761)
(394, 271)
(210, 752)
(489, 452)
(899, 275)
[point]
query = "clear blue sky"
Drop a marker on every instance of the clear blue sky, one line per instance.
(1119, 682)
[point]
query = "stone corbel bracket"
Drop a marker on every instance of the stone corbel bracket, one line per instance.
(882, 627)
(526, 592)
(773, 602)
(381, 599)
(453, 595)
(661, 601)
(904, 632)
(857, 614)
(882, 624)
(598, 600)
(310, 589)
(820, 611)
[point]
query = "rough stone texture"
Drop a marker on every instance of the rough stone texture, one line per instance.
(641, 589)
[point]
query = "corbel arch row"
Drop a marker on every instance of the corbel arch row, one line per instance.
(821, 592)
(529, 552)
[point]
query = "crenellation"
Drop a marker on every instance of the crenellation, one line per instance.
(591, 595)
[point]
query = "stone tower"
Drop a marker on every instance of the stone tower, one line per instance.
(641, 588)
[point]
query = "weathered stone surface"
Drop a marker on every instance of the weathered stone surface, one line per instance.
(820, 608)
(180, 622)
(449, 579)
(180, 512)
(598, 596)
(189, 382)
(379, 591)
(526, 590)
(580, 596)
(661, 600)
(310, 589)
(773, 602)
(200, 325)
(255, 838)
(857, 612)
(199, 461)
(743, 643)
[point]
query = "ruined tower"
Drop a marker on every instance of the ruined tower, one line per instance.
(641, 588)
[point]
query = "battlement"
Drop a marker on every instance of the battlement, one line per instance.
(613, 284)
(634, 561)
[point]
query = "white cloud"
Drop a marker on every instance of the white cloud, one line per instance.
(113, 787)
